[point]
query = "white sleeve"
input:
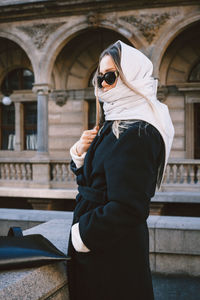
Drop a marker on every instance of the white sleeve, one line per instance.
(76, 239)
(78, 160)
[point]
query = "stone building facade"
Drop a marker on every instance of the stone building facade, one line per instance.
(48, 53)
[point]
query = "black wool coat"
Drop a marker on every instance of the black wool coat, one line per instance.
(115, 186)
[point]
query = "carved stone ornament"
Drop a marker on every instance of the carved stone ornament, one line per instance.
(162, 93)
(92, 19)
(148, 24)
(59, 97)
(39, 33)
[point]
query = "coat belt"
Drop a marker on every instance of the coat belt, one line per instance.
(92, 194)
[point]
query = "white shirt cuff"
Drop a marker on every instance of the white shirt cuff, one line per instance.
(76, 239)
(78, 160)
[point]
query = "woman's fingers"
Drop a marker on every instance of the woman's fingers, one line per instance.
(89, 135)
(86, 139)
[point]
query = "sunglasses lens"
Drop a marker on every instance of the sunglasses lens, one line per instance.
(99, 81)
(110, 78)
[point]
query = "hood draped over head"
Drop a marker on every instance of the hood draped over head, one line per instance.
(122, 103)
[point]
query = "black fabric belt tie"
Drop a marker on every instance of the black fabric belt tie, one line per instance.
(92, 194)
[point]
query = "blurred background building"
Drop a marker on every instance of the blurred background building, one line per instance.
(49, 51)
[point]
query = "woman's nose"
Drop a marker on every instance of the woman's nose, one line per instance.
(104, 84)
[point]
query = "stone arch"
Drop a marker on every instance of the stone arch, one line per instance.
(64, 35)
(166, 39)
(21, 45)
(79, 58)
(181, 56)
(12, 56)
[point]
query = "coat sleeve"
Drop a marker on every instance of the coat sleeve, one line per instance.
(131, 174)
(78, 160)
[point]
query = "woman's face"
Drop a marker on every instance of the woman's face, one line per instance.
(107, 65)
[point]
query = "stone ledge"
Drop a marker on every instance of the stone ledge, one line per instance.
(171, 222)
(174, 236)
(38, 193)
(33, 214)
(27, 218)
(34, 283)
(175, 197)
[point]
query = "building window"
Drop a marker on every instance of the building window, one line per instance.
(30, 125)
(18, 79)
(7, 127)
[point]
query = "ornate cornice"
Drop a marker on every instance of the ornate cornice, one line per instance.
(147, 24)
(10, 11)
(39, 33)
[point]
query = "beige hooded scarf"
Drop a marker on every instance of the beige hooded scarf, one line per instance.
(121, 103)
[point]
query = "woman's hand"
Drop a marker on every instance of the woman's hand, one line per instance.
(86, 140)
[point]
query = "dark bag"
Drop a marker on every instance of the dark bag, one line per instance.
(18, 251)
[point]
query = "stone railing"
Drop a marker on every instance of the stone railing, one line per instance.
(61, 174)
(16, 171)
(32, 173)
(180, 174)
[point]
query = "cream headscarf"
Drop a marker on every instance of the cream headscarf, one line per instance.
(121, 103)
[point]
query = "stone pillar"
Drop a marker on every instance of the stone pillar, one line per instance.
(42, 91)
(18, 127)
(41, 166)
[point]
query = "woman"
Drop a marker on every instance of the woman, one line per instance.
(118, 166)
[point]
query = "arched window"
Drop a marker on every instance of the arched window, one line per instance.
(18, 79)
(195, 74)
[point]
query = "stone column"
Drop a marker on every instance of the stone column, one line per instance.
(41, 163)
(18, 127)
(42, 91)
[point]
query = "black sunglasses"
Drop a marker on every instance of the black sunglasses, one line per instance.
(109, 78)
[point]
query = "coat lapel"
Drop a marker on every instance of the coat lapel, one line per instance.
(90, 153)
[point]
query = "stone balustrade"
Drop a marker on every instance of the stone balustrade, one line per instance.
(16, 171)
(182, 171)
(180, 174)
(61, 174)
